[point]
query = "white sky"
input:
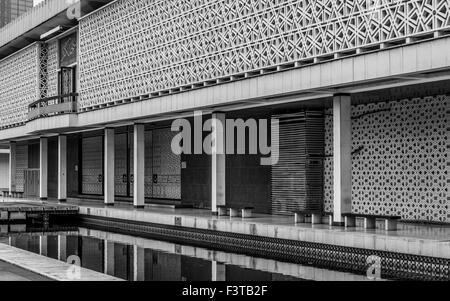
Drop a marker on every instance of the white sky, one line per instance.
(37, 1)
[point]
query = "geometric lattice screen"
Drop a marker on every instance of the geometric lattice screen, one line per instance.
(404, 166)
(133, 48)
(21, 166)
(19, 85)
(25, 77)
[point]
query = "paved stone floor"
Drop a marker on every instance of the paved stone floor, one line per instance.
(9, 272)
(48, 267)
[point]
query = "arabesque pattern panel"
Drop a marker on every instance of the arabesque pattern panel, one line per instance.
(403, 168)
(138, 47)
(20, 85)
(52, 68)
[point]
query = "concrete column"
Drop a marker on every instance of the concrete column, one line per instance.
(138, 264)
(62, 248)
(109, 258)
(43, 245)
(43, 174)
(218, 271)
(12, 166)
(62, 168)
(109, 166)
(342, 134)
(139, 166)
(218, 162)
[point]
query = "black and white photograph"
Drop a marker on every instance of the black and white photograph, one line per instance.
(217, 149)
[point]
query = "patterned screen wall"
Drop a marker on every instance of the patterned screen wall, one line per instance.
(52, 68)
(136, 47)
(19, 85)
(404, 166)
(21, 165)
(120, 165)
(166, 166)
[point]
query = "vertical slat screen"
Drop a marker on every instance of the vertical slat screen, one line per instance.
(297, 179)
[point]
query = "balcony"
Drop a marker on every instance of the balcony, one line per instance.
(52, 106)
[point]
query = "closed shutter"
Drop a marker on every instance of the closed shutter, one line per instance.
(297, 179)
(92, 166)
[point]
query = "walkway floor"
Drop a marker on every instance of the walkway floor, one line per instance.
(9, 272)
(48, 267)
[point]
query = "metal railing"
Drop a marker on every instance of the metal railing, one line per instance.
(51, 106)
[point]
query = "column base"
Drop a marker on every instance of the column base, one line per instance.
(43, 199)
(338, 224)
(62, 200)
(215, 213)
(109, 204)
(139, 207)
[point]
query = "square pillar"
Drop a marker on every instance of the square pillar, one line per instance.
(12, 167)
(62, 248)
(218, 271)
(139, 166)
(342, 154)
(108, 258)
(62, 168)
(218, 158)
(109, 167)
(138, 264)
(43, 245)
(43, 169)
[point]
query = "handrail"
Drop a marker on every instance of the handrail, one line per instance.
(59, 97)
(54, 105)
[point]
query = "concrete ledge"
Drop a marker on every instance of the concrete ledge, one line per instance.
(47, 267)
(394, 241)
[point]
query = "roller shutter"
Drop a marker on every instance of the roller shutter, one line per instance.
(297, 179)
(92, 165)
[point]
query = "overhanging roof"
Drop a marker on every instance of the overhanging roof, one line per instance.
(28, 28)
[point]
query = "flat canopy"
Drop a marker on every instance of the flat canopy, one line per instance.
(29, 27)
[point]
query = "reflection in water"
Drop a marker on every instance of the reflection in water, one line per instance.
(135, 258)
(135, 263)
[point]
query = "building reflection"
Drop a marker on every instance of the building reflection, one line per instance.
(133, 263)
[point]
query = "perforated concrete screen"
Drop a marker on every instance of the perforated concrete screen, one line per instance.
(403, 168)
(19, 85)
(134, 48)
(21, 166)
(166, 168)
